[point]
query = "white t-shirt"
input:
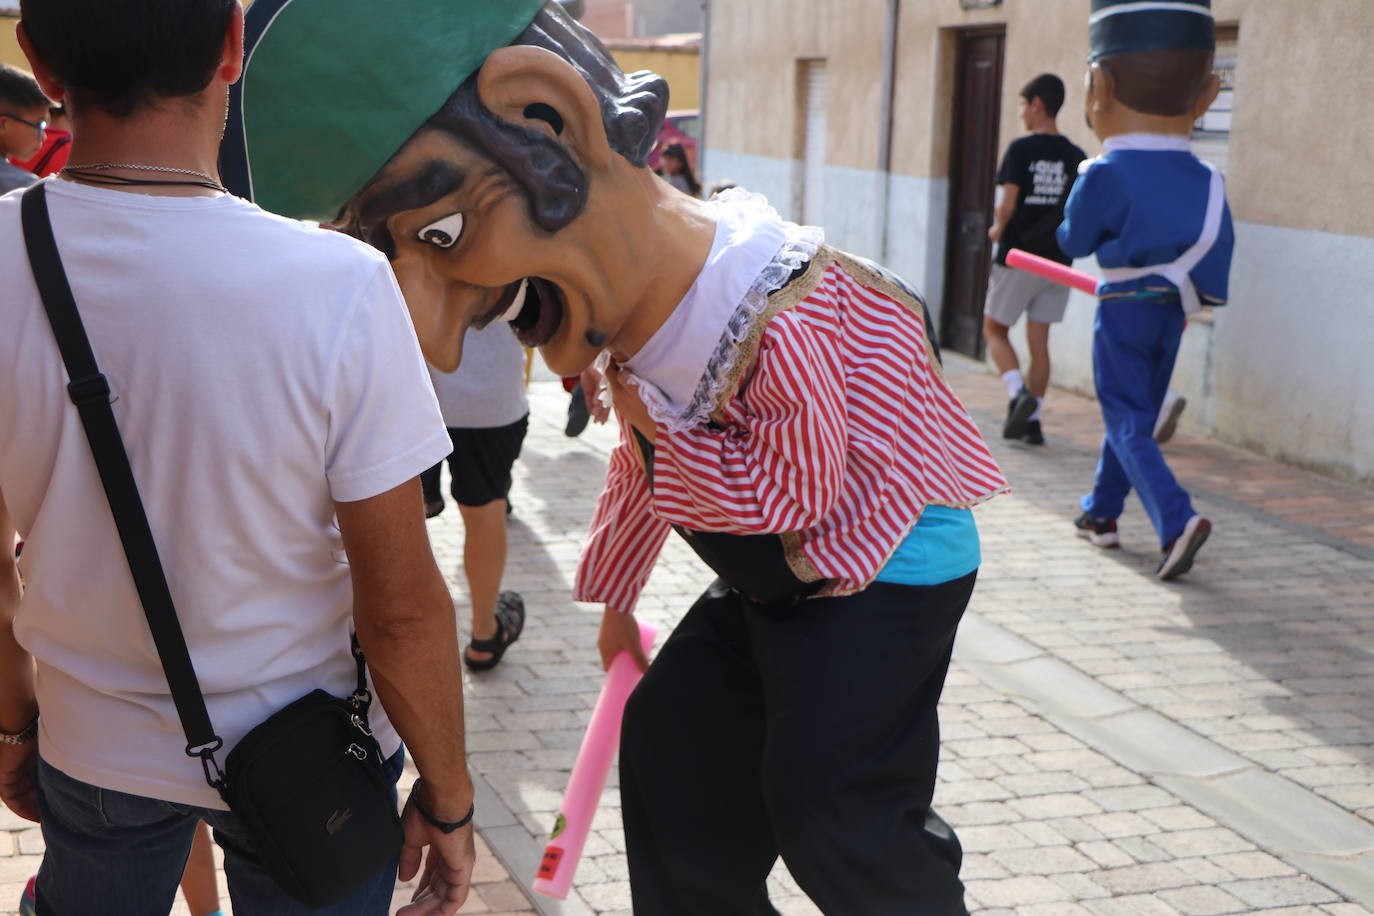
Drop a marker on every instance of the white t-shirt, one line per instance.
(488, 388)
(261, 370)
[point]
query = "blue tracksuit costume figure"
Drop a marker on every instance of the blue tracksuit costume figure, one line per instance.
(1157, 219)
(1143, 207)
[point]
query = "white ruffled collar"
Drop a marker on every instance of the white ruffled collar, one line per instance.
(683, 369)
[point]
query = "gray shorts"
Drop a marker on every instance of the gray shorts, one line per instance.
(1012, 291)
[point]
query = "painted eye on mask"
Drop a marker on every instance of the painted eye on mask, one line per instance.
(444, 233)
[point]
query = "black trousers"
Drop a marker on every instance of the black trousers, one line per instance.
(809, 732)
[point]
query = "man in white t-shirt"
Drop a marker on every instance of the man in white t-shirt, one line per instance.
(276, 412)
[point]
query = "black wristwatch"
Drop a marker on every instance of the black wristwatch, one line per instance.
(445, 826)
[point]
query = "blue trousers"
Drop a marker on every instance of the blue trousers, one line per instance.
(122, 855)
(1135, 344)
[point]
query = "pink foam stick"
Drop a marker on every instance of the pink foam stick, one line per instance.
(589, 774)
(1052, 270)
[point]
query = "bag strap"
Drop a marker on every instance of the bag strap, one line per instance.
(90, 392)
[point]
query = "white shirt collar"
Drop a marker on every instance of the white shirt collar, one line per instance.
(749, 235)
(1148, 143)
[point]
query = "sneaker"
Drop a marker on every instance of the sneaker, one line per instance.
(1100, 531)
(1019, 411)
(577, 413)
(1167, 424)
(1178, 555)
(1033, 435)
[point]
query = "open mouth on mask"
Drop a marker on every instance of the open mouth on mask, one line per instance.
(535, 311)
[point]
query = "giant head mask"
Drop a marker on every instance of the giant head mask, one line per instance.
(494, 151)
(1151, 66)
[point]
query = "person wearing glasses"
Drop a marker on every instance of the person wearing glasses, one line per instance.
(56, 150)
(23, 124)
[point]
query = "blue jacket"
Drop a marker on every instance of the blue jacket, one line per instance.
(1140, 204)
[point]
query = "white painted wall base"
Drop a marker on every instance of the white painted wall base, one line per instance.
(1285, 368)
(773, 178)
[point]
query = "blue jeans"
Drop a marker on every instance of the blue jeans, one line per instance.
(1135, 344)
(122, 855)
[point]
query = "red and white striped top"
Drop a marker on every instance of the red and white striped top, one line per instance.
(843, 433)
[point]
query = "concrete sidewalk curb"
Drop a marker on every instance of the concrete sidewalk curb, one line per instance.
(511, 843)
(1332, 845)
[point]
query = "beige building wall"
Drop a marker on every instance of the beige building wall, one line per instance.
(1283, 369)
(1303, 123)
(9, 45)
(754, 49)
(1313, 72)
(609, 18)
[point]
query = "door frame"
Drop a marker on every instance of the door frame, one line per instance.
(959, 172)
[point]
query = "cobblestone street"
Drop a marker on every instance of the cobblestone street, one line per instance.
(1112, 744)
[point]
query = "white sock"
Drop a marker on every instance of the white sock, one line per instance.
(1039, 402)
(1012, 379)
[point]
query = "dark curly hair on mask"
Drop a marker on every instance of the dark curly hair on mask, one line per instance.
(632, 110)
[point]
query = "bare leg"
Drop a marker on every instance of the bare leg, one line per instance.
(484, 563)
(1038, 340)
(999, 347)
(198, 883)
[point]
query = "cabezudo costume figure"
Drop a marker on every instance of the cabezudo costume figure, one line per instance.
(1156, 216)
(782, 406)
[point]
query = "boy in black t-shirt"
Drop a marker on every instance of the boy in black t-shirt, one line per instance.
(1037, 173)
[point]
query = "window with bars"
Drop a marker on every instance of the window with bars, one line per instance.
(1212, 131)
(809, 182)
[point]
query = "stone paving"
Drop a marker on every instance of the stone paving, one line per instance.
(21, 848)
(1112, 744)
(1250, 671)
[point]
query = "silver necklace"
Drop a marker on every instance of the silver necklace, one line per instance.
(104, 166)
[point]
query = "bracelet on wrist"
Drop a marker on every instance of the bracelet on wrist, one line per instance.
(23, 736)
(445, 826)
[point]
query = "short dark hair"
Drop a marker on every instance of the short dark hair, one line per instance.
(121, 55)
(18, 89)
(1159, 82)
(632, 110)
(1049, 89)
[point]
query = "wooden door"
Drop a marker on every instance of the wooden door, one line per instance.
(973, 174)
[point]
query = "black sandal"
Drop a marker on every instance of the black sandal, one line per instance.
(510, 622)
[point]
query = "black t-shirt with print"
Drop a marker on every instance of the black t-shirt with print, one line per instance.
(1043, 167)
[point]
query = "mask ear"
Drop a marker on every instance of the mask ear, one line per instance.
(1101, 92)
(541, 91)
(1210, 90)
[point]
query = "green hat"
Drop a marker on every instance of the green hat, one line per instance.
(331, 89)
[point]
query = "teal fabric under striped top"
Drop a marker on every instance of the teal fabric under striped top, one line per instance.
(942, 546)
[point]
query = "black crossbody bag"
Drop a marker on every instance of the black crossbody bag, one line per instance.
(307, 783)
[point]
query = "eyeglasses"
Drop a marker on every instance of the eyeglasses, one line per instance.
(40, 126)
